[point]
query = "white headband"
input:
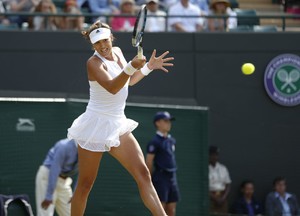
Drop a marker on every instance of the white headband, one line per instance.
(99, 34)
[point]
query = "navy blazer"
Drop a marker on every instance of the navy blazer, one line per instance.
(275, 208)
(240, 207)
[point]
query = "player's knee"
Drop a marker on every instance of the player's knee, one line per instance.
(144, 176)
(84, 186)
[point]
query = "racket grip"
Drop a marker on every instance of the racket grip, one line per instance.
(140, 52)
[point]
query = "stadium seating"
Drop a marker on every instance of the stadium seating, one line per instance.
(241, 28)
(59, 3)
(255, 28)
(13, 26)
(251, 18)
(234, 3)
(267, 28)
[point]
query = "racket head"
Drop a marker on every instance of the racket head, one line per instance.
(139, 27)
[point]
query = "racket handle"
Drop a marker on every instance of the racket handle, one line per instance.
(140, 52)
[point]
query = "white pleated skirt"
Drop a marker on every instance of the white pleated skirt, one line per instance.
(99, 132)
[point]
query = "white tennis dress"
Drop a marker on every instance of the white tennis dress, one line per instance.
(99, 128)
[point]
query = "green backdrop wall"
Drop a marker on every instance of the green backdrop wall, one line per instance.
(24, 147)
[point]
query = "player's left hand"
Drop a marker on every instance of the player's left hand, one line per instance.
(160, 62)
(46, 203)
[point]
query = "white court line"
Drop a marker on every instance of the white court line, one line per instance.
(167, 106)
(21, 99)
(148, 105)
(77, 100)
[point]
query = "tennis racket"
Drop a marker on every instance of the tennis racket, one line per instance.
(138, 31)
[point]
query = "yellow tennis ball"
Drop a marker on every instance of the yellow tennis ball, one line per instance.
(248, 68)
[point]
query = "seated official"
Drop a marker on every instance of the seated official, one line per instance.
(247, 204)
(280, 202)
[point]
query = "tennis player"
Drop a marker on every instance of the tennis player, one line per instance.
(103, 127)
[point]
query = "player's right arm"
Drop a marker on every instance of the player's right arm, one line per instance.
(149, 162)
(98, 72)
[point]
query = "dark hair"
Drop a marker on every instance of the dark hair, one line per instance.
(95, 25)
(278, 179)
(245, 182)
(213, 150)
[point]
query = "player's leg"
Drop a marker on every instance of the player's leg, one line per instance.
(171, 209)
(88, 164)
(64, 195)
(41, 183)
(130, 155)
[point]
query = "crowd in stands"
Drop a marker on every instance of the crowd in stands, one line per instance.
(164, 15)
(278, 202)
(188, 11)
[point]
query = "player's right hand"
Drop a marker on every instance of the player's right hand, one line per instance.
(138, 63)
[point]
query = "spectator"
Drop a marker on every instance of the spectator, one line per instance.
(124, 23)
(219, 183)
(166, 4)
(161, 162)
(53, 179)
(247, 204)
(222, 8)
(185, 24)
(202, 4)
(72, 23)
(45, 22)
(280, 202)
(155, 24)
(3, 19)
(21, 6)
(101, 7)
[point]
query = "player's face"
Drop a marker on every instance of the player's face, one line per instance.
(104, 47)
(164, 125)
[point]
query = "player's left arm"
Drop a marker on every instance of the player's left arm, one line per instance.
(154, 63)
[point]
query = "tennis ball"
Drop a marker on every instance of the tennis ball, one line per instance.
(248, 68)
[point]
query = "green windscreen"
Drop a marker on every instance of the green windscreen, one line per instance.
(29, 129)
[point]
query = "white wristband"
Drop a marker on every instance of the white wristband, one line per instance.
(145, 70)
(129, 69)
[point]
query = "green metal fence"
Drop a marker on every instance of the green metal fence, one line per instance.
(28, 130)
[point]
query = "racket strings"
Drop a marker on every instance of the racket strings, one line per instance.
(139, 27)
